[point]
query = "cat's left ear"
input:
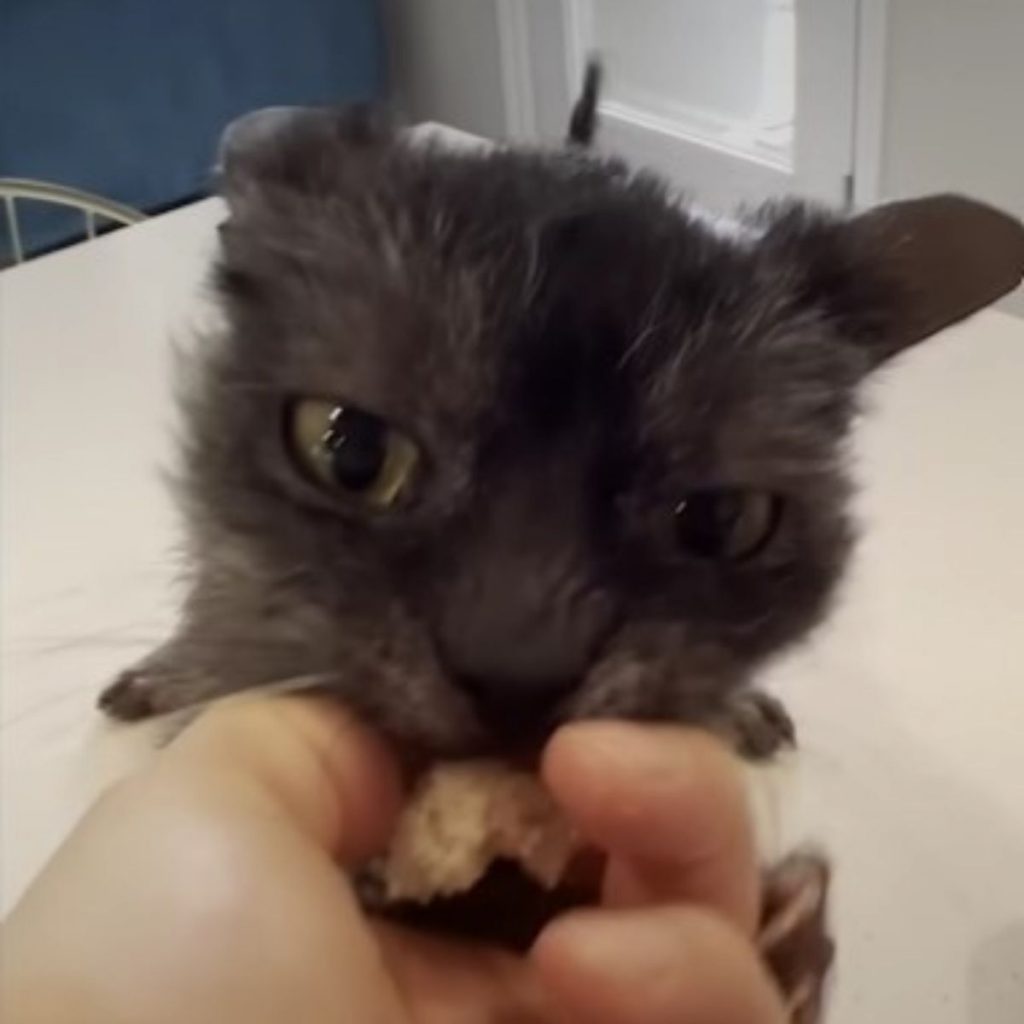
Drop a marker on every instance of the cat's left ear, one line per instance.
(295, 147)
(944, 257)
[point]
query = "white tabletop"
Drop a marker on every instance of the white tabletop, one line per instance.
(910, 703)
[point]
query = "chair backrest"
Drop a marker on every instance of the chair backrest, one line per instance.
(93, 208)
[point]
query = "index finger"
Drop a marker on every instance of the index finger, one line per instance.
(668, 805)
(305, 759)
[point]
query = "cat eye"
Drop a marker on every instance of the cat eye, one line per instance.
(727, 524)
(353, 451)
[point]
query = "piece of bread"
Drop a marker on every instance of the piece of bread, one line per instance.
(461, 817)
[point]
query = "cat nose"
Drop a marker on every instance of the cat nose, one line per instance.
(517, 707)
(519, 642)
(517, 672)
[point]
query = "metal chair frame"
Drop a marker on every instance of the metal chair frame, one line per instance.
(92, 207)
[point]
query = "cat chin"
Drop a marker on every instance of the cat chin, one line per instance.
(422, 728)
(441, 725)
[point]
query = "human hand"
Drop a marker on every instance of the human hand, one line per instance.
(207, 889)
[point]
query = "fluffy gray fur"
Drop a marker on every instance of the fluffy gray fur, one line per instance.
(575, 353)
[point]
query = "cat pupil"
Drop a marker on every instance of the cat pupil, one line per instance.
(357, 443)
(726, 524)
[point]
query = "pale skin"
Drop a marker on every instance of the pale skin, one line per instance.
(206, 889)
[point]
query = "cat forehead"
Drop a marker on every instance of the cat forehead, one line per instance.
(512, 232)
(552, 288)
(414, 199)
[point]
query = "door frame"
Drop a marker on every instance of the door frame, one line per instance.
(869, 110)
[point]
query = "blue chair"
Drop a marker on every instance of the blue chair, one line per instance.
(126, 98)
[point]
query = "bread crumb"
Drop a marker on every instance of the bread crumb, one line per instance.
(461, 817)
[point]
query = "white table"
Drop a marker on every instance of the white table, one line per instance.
(910, 703)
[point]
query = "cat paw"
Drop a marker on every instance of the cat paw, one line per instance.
(793, 937)
(757, 725)
(129, 698)
(156, 685)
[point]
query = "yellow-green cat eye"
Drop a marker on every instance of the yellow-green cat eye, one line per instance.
(729, 524)
(349, 450)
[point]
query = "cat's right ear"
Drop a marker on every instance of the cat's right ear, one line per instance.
(947, 257)
(898, 273)
(294, 147)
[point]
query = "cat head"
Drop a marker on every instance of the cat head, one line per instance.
(496, 438)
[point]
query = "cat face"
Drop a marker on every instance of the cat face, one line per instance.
(497, 439)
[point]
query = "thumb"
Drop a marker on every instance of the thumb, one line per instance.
(206, 889)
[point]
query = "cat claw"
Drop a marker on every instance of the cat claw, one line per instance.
(793, 937)
(757, 725)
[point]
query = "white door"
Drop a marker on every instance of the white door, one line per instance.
(735, 100)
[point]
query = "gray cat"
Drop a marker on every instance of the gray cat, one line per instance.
(494, 439)
(500, 438)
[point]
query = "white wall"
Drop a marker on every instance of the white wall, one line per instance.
(954, 102)
(445, 60)
(496, 68)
